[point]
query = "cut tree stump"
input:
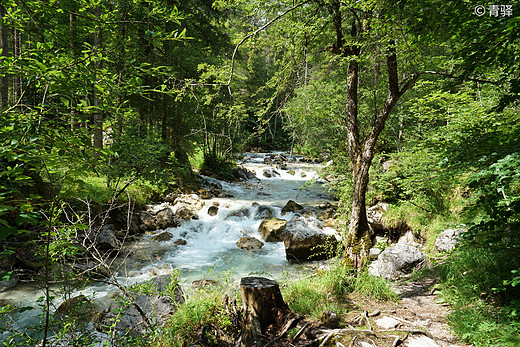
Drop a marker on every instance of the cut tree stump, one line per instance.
(263, 307)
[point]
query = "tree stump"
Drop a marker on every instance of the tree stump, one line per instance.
(263, 307)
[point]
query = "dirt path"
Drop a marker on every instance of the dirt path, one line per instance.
(419, 306)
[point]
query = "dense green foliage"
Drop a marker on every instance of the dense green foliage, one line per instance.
(102, 98)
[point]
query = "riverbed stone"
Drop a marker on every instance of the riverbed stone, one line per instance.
(305, 240)
(147, 220)
(8, 283)
(326, 214)
(158, 306)
(249, 243)
(165, 219)
(239, 214)
(263, 212)
(180, 242)
(162, 237)
(291, 206)
(272, 229)
(213, 210)
(77, 307)
(106, 238)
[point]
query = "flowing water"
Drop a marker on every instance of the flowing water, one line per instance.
(210, 247)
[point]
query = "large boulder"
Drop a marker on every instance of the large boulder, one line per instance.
(305, 240)
(106, 239)
(396, 261)
(249, 243)
(272, 229)
(448, 239)
(158, 305)
(291, 206)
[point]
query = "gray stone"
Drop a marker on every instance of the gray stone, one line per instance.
(147, 220)
(165, 219)
(326, 214)
(387, 322)
(291, 206)
(263, 212)
(158, 306)
(162, 237)
(375, 215)
(305, 240)
(213, 210)
(8, 283)
(421, 341)
(448, 239)
(180, 242)
(106, 238)
(396, 261)
(270, 172)
(249, 243)
(373, 253)
(239, 214)
(272, 229)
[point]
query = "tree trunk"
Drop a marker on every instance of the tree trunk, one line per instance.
(4, 46)
(358, 240)
(263, 307)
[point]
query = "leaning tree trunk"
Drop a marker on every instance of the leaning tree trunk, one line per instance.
(263, 307)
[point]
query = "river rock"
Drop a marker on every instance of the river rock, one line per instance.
(249, 243)
(29, 257)
(263, 212)
(396, 261)
(291, 172)
(147, 220)
(165, 219)
(180, 242)
(9, 282)
(243, 174)
(272, 229)
(270, 172)
(106, 238)
(78, 307)
(201, 284)
(158, 306)
(326, 214)
(305, 240)
(448, 239)
(170, 197)
(7, 259)
(213, 210)
(291, 206)
(162, 237)
(239, 214)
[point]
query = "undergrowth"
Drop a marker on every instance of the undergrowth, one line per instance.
(328, 291)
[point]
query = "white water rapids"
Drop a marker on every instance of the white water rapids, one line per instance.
(210, 247)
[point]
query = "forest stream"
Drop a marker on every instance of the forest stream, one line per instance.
(210, 249)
